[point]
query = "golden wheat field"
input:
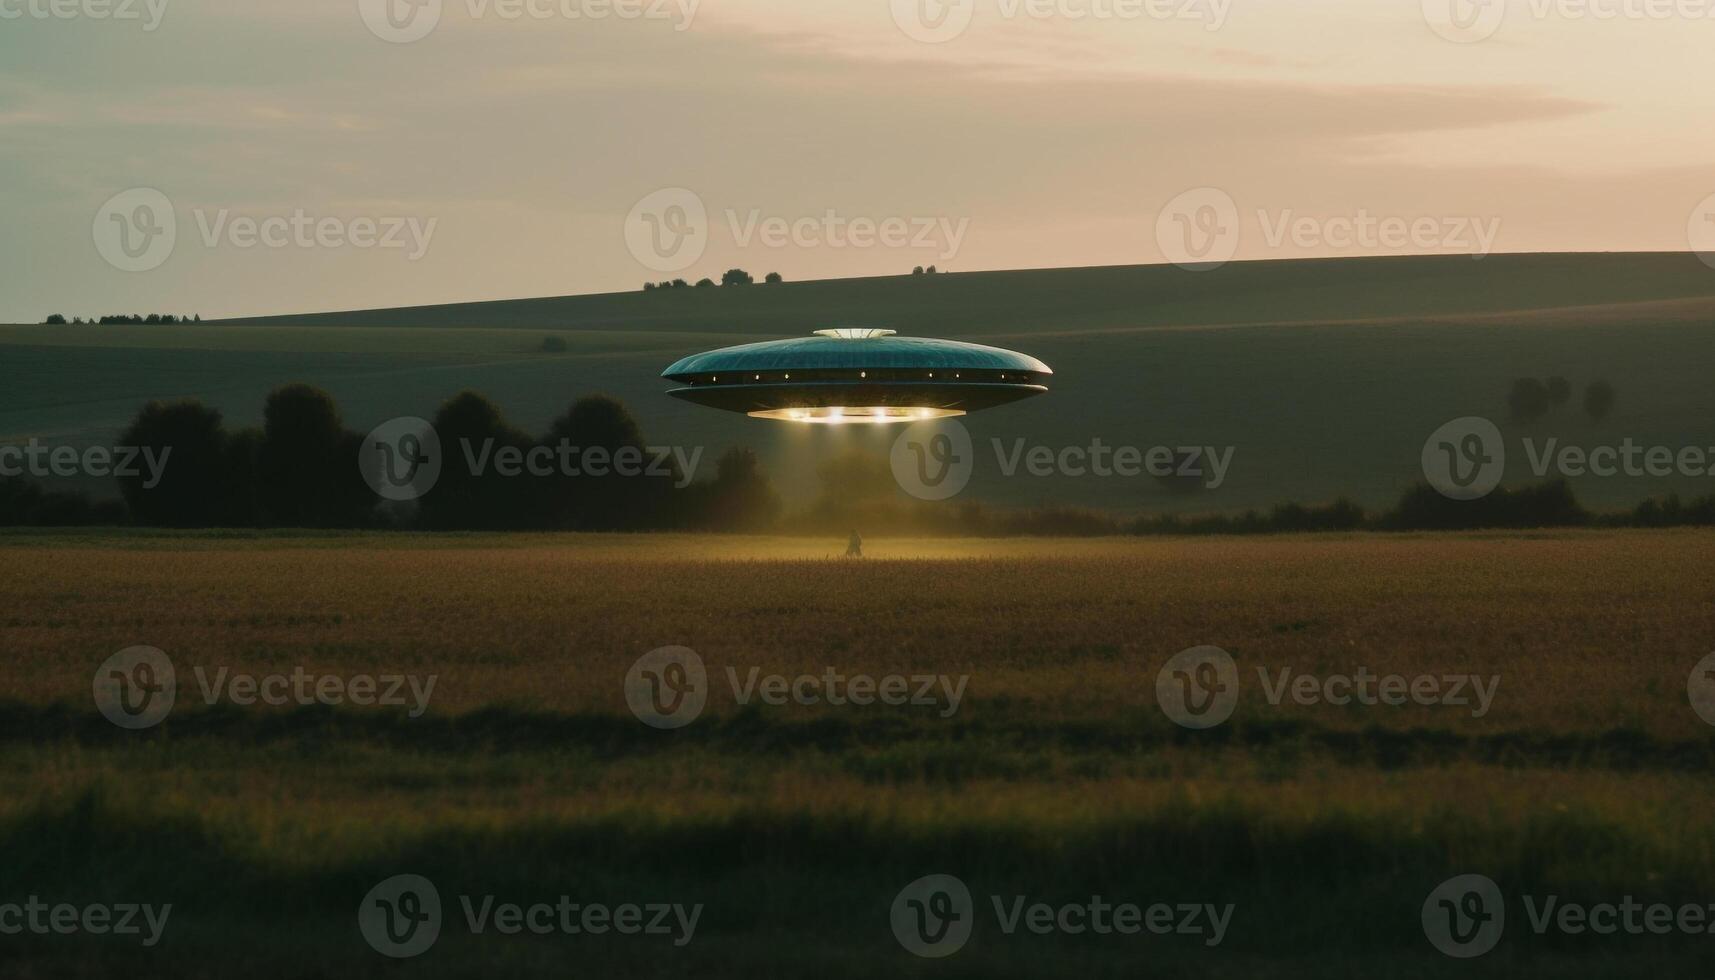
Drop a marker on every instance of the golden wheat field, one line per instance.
(1585, 630)
(1047, 764)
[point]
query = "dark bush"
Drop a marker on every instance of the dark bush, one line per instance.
(603, 437)
(1673, 512)
(307, 463)
(1529, 400)
(740, 498)
(472, 432)
(1423, 508)
(195, 487)
(24, 504)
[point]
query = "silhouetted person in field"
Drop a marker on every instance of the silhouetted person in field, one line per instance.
(854, 547)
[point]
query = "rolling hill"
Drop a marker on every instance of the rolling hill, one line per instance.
(1324, 378)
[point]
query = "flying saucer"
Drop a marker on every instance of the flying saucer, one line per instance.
(857, 375)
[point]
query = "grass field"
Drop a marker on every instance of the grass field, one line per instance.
(1058, 776)
(1324, 377)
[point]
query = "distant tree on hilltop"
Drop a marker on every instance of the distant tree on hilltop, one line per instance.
(1529, 399)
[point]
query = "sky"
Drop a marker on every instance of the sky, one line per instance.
(236, 157)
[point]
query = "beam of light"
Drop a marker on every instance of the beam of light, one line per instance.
(856, 415)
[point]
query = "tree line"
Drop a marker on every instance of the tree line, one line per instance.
(153, 319)
(732, 277)
(300, 470)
